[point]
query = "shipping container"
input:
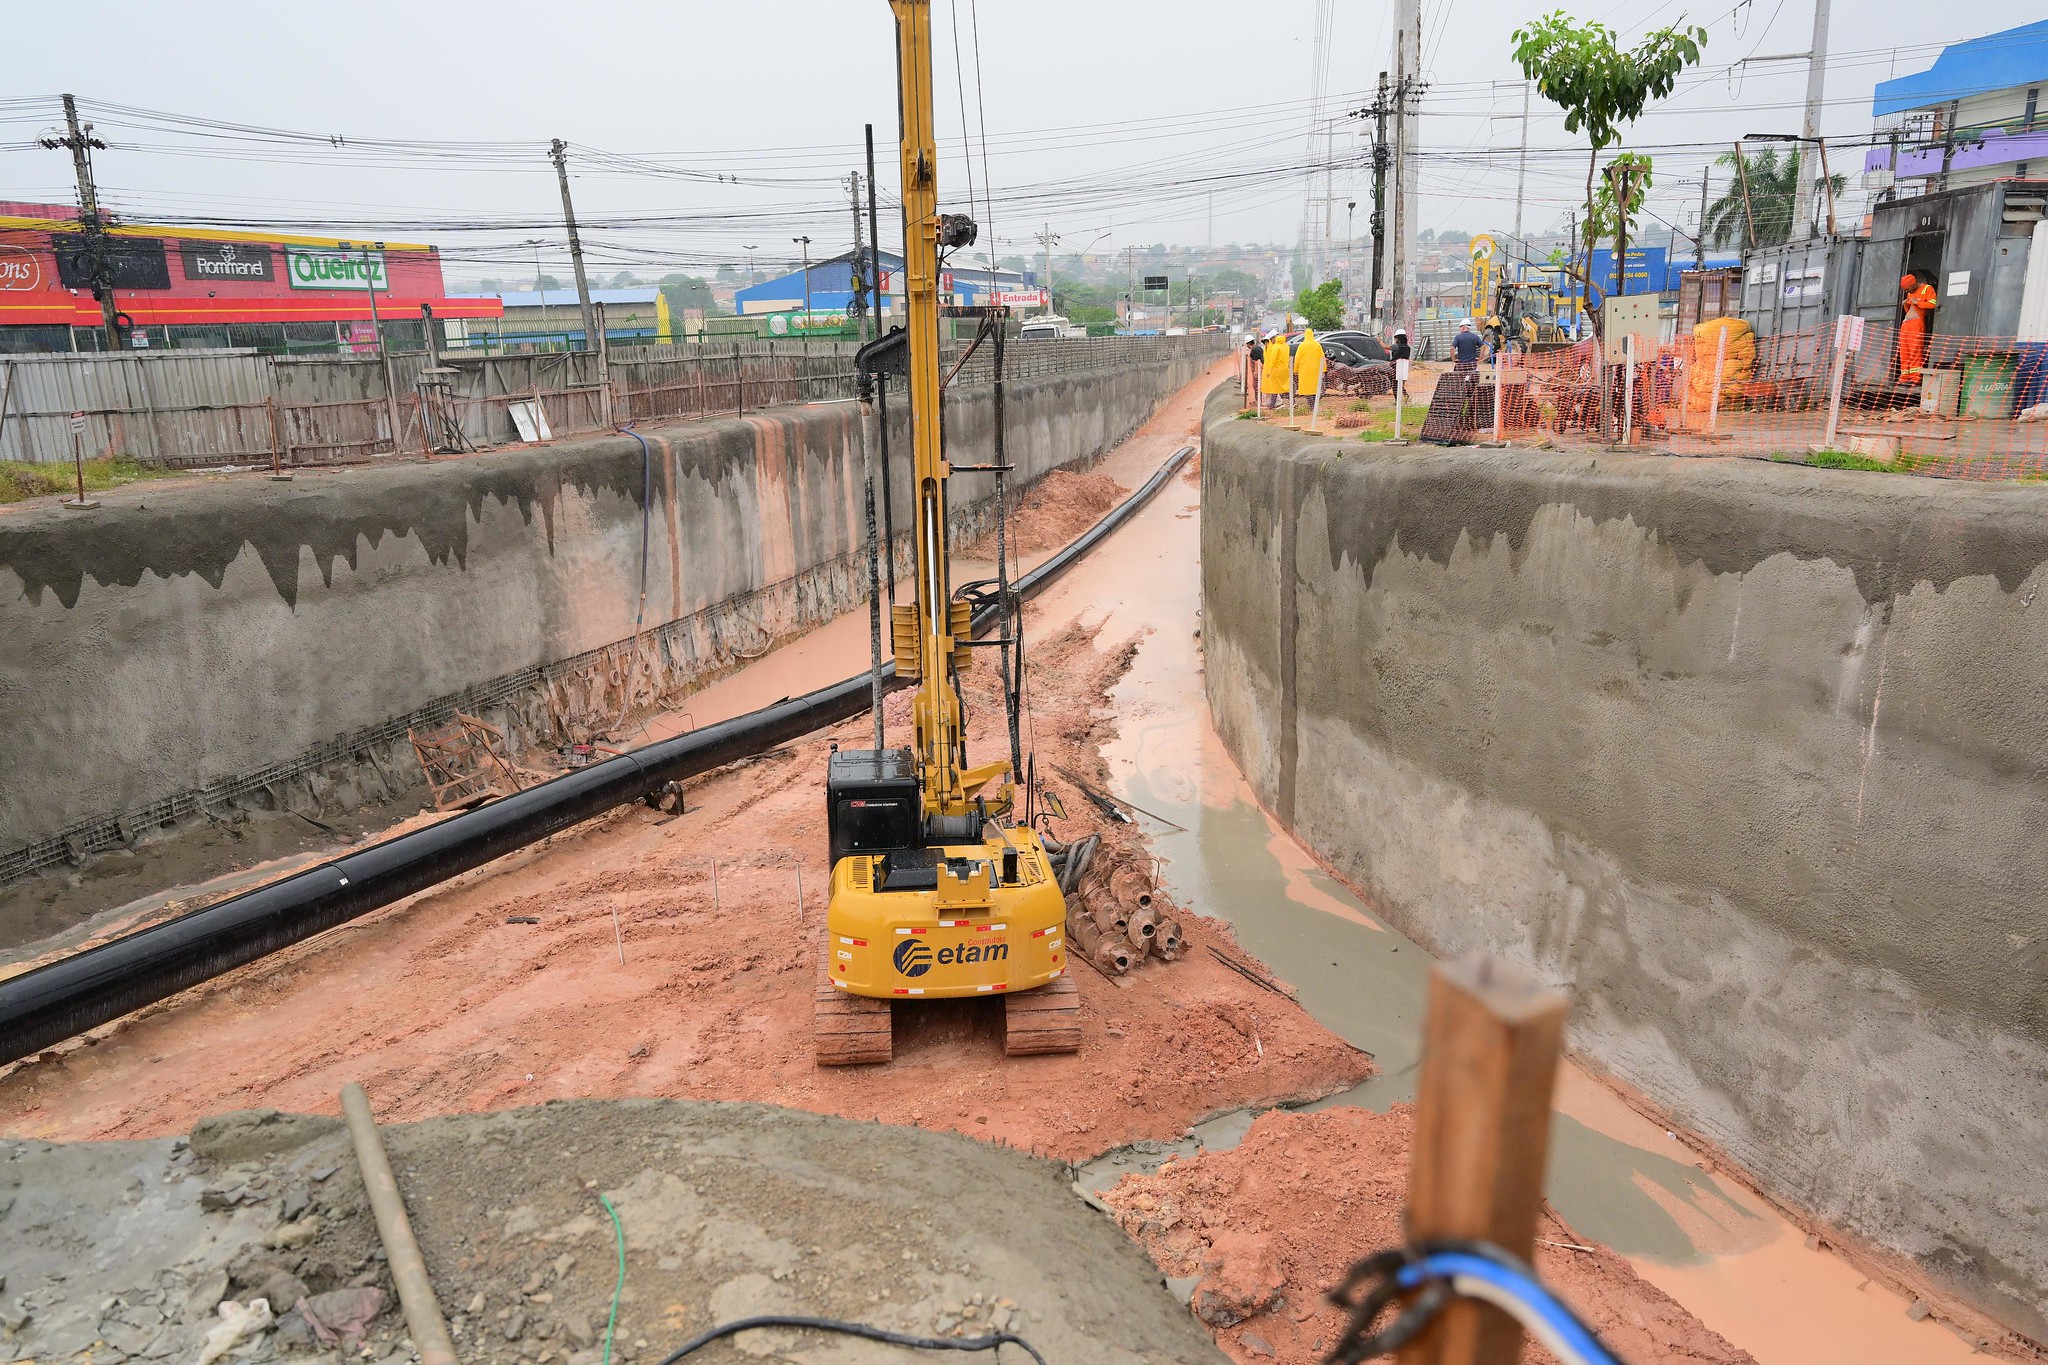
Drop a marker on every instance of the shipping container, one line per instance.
(1704, 295)
(1972, 244)
(1795, 292)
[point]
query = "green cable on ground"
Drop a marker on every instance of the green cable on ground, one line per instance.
(619, 1289)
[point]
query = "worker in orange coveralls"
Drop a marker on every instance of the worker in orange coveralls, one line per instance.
(1918, 300)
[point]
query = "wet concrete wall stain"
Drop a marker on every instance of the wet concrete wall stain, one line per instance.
(190, 640)
(1890, 532)
(200, 532)
(1752, 757)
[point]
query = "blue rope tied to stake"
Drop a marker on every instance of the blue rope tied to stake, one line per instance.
(1424, 1278)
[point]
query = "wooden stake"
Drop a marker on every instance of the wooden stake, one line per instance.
(1482, 1132)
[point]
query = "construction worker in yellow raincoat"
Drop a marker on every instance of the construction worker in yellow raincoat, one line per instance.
(1308, 374)
(1273, 379)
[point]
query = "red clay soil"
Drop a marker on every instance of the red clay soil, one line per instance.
(1272, 1224)
(442, 1005)
(1054, 512)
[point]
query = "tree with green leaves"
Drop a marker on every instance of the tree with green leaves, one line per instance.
(1583, 70)
(1323, 306)
(1773, 192)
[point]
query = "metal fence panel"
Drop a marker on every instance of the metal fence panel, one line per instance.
(204, 409)
(179, 407)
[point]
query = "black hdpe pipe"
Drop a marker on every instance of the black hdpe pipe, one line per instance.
(76, 993)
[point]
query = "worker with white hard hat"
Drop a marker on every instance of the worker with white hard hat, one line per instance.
(1465, 347)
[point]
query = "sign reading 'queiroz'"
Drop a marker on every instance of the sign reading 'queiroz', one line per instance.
(317, 268)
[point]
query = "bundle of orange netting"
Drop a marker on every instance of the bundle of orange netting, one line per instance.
(1736, 367)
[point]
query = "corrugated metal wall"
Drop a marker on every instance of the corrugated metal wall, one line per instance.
(202, 409)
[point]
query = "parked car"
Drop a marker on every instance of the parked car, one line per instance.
(1354, 363)
(1364, 343)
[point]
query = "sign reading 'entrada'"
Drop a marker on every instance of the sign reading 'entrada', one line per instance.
(314, 268)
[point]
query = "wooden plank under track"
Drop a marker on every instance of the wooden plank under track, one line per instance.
(1045, 1020)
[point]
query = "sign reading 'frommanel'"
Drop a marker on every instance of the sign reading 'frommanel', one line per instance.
(313, 268)
(227, 261)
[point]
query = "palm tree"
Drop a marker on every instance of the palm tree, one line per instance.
(1773, 191)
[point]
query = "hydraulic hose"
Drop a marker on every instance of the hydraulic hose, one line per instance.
(64, 998)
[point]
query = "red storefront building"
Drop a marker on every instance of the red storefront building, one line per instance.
(206, 287)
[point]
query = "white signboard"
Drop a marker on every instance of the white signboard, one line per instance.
(1849, 333)
(323, 268)
(530, 420)
(1958, 283)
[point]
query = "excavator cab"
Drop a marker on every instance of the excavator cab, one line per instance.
(872, 805)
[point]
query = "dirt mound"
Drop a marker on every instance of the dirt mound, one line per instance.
(1056, 509)
(1270, 1225)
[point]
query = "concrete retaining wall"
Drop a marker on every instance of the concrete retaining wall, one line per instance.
(267, 642)
(1748, 757)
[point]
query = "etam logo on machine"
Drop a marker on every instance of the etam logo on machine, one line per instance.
(914, 957)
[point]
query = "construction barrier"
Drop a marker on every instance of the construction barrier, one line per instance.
(1977, 409)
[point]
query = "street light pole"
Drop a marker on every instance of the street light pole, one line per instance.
(539, 287)
(1826, 179)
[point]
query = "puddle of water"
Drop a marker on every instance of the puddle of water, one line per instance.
(1613, 1175)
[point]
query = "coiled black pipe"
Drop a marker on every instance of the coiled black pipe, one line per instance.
(69, 996)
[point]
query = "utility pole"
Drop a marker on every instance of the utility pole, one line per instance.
(1407, 151)
(1816, 81)
(377, 330)
(1382, 157)
(80, 142)
(1130, 286)
(1045, 241)
(559, 155)
(1699, 236)
(861, 283)
(1572, 277)
(1522, 173)
(1748, 211)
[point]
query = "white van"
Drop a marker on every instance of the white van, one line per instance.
(1049, 327)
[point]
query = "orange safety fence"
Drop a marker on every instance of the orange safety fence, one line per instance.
(1979, 408)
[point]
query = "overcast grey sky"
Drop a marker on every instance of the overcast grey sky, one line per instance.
(1117, 123)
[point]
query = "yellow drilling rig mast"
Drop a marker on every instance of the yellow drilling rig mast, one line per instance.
(940, 887)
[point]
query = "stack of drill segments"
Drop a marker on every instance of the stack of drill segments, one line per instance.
(1115, 918)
